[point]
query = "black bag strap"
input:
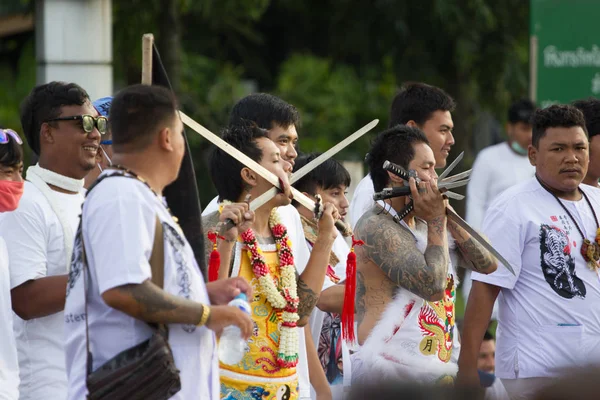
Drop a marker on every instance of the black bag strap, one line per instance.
(157, 267)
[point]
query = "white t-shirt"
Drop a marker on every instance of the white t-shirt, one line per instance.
(549, 317)
(291, 220)
(340, 249)
(9, 363)
(119, 219)
(362, 200)
(495, 169)
(36, 249)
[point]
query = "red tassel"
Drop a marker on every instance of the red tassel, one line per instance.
(214, 262)
(350, 294)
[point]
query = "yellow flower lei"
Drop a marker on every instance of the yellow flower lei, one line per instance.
(286, 299)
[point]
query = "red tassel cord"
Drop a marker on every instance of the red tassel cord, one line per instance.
(214, 261)
(350, 294)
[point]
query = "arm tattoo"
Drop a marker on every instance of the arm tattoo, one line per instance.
(152, 304)
(308, 299)
(149, 298)
(392, 248)
(474, 255)
(438, 224)
(360, 303)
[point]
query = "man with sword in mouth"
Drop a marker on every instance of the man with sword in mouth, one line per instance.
(266, 252)
(406, 283)
(279, 119)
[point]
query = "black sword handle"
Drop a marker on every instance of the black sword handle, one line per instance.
(388, 193)
(407, 210)
(341, 226)
(400, 172)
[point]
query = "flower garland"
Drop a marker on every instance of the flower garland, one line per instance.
(286, 299)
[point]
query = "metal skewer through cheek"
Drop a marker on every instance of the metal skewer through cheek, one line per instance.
(256, 167)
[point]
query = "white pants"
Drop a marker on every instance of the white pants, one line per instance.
(525, 388)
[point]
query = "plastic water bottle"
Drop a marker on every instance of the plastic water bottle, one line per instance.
(232, 346)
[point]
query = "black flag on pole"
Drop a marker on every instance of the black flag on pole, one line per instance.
(182, 195)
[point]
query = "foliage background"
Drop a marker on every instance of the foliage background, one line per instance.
(340, 62)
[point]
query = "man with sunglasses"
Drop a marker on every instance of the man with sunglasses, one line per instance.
(63, 128)
(11, 190)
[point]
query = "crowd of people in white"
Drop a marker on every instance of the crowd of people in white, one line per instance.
(82, 230)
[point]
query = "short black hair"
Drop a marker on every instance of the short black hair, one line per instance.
(488, 336)
(264, 110)
(521, 111)
(558, 115)
(137, 113)
(43, 103)
(328, 175)
(590, 108)
(225, 170)
(11, 153)
(395, 144)
(417, 101)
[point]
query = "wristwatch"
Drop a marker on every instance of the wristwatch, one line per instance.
(205, 315)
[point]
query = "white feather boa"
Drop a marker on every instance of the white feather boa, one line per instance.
(398, 360)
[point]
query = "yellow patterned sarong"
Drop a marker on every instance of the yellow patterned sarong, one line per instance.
(257, 376)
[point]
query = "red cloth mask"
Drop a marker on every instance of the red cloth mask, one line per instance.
(10, 194)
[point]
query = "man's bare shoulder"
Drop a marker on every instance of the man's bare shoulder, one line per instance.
(377, 225)
(210, 221)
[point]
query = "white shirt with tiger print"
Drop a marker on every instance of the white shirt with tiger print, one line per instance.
(549, 318)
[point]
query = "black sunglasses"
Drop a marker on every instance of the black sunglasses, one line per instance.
(87, 121)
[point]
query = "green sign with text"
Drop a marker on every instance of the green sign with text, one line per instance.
(565, 50)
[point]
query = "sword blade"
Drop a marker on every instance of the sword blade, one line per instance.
(250, 163)
(232, 151)
(454, 196)
(452, 185)
(451, 166)
(457, 177)
(475, 235)
(263, 199)
(296, 176)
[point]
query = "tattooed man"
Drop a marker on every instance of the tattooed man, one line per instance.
(406, 283)
(126, 232)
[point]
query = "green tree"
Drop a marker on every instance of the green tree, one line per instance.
(15, 85)
(334, 100)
